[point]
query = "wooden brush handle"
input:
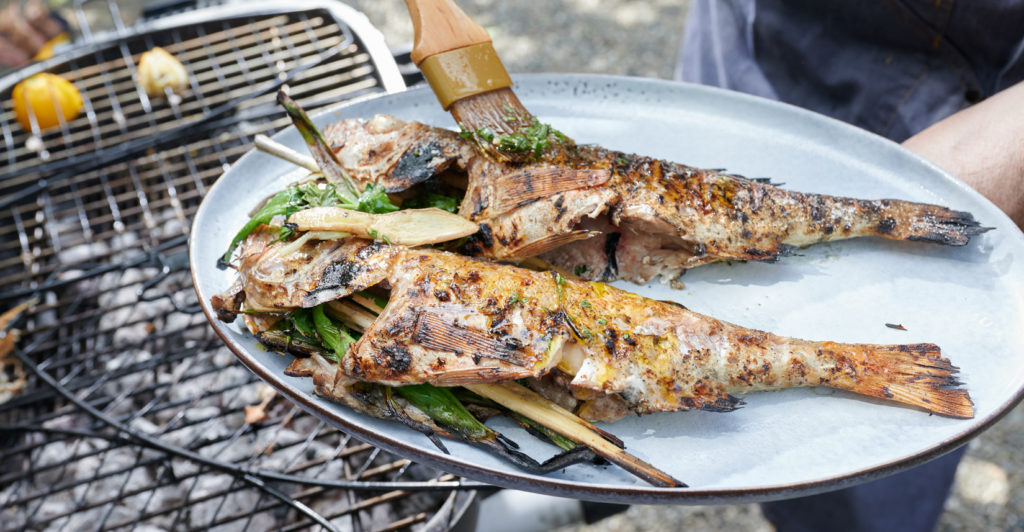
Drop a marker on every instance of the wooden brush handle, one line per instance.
(447, 28)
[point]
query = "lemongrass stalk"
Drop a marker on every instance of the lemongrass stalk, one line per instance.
(324, 156)
(410, 227)
(528, 403)
(367, 303)
(352, 315)
(266, 145)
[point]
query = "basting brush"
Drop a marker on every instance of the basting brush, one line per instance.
(459, 62)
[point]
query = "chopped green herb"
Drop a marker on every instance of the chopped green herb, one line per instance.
(579, 270)
(431, 199)
(516, 299)
(602, 321)
(319, 194)
(377, 236)
(486, 134)
(535, 137)
(585, 304)
(293, 199)
(374, 200)
(483, 133)
(559, 280)
(513, 142)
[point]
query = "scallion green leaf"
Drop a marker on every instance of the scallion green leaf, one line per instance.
(334, 335)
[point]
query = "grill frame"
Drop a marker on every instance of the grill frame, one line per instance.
(66, 341)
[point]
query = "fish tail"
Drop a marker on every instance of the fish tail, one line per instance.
(915, 374)
(920, 222)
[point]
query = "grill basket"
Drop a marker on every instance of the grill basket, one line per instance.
(123, 410)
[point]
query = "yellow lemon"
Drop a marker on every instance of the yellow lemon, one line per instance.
(47, 96)
(46, 51)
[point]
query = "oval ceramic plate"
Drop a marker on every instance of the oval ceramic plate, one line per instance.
(968, 300)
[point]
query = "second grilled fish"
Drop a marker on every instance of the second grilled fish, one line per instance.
(610, 215)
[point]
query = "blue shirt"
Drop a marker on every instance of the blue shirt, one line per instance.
(890, 66)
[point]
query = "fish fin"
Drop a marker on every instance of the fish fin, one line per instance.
(438, 332)
(324, 373)
(468, 375)
(228, 304)
(536, 182)
(939, 225)
(762, 180)
(707, 399)
(912, 374)
(718, 402)
(919, 222)
(304, 367)
(549, 242)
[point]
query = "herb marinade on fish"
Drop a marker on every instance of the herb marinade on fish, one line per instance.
(610, 215)
(451, 320)
(332, 271)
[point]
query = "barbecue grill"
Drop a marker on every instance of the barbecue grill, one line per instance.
(123, 408)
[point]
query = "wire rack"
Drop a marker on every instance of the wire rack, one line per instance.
(123, 409)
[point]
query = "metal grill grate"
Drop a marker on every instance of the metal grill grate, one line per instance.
(133, 413)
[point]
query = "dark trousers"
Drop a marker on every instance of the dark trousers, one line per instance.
(910, 501)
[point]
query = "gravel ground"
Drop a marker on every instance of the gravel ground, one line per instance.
(632, 38)
(622, 37)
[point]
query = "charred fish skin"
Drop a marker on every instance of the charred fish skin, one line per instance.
(454, 320)
(360, 396)
(662, 357)
(278, 275)
(669, 217)
(395, 154)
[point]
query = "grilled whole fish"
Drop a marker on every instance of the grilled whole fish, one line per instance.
(612, 215)
(453, 320)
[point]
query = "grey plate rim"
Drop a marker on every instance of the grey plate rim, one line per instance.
(608, 493)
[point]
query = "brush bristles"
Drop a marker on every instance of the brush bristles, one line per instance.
(499, 111)
(491, 110)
